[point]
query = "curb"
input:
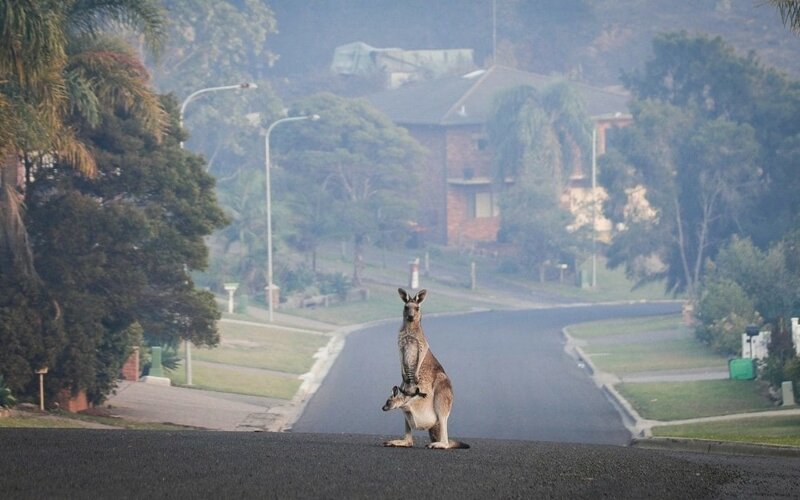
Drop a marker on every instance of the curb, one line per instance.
(715, 447)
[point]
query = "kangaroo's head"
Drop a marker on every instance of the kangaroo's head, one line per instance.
(399, 399)
(411, 312)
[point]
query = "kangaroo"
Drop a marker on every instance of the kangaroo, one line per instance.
(426, 394)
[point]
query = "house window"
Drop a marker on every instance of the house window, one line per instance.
(482, 204)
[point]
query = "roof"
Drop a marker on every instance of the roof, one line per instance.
(467, 99)
(359, 58)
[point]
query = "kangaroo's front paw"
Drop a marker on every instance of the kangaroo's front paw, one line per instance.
(398, 443)
(438, 446)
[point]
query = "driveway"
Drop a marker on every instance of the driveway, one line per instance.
(142, 402)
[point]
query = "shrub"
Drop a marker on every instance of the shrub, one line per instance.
(6, 398)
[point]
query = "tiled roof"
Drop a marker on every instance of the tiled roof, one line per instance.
(467, 100)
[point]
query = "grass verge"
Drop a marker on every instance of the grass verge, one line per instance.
(63, 420)
(610, 328)
(767, 430)
(384, 303)
(667, 401)
(230, 379)
(265, 347)
(671, 354)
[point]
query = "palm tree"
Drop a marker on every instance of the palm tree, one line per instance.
(57, 68)
(790, 13)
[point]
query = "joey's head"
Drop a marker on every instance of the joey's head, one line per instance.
(398, 399)
(411, 311)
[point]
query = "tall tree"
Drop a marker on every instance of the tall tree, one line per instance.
(40, 85)
(114, 254)
(698, 177)
(365, 164)
(706, 77)
(540, 138)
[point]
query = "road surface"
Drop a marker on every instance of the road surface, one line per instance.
(78, 463)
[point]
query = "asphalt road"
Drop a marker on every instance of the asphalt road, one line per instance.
(511, 378)
(72, 463)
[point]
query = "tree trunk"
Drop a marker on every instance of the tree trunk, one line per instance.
(15, 252)
(358, 259)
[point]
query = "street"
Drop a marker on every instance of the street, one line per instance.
(70, 463)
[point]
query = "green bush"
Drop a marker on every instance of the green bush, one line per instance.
(334, 283)
(724, 310)
(7, 400)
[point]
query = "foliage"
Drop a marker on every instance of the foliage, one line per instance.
(783, 364)
(112, 252)
(539, 139)
(743, 286)
(724, 310)
(55, 64)
(335, 283)
(170, 359)
(215, 44)
(7, 399)
(698, 178)
(790, 13)
(357, 170)
(704, 78)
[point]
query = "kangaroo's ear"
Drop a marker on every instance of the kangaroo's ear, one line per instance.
(421, 296)
(404, 295)
(395, 390)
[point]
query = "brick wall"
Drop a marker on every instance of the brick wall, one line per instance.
(462, 228)
(130, 370)
(73, 404)
(452, 153)
(433, 183)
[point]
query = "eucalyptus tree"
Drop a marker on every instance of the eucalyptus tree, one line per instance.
(698, 178)
(714, 149)
(539, 138)
(365, 165)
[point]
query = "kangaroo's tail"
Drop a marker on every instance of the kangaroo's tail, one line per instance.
(458, 445)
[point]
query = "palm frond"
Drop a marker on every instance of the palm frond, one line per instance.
(790, 13)
(119, 79)
(31, 40)
(92, 17)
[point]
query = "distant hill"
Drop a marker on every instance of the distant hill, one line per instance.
(590, 40)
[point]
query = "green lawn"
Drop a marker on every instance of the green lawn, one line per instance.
(74, 421)
(266, 347)
(385, 303)
(230, 379)
(39, 422)
(610, 328)
(670, 354)
(234, 365)
(703, 398)
(763, 430)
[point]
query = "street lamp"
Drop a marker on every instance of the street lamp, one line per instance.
(270, 285)
(243, 85)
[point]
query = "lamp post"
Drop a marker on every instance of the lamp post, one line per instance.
(270, 285)
(243, 85)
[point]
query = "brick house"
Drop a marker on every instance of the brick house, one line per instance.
(447, 116)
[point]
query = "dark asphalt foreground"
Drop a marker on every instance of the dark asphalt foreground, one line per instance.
(71, 463)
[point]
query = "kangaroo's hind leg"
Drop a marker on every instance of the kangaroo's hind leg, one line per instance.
(442, 403)
(406, 442)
